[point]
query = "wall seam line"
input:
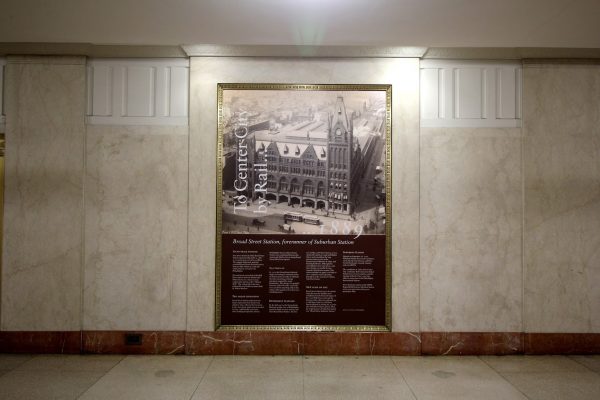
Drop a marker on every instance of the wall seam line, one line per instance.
(187, 233)
(522, 142)
(419, 207)
(83, 214)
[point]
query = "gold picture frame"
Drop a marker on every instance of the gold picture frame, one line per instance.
(387, 90)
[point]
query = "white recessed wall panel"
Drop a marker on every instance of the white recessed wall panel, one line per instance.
(430, 99)
(138, 91)
(470, 94)
(506, 103)
(178, 106)
(101, 90)
(163, 79)
(469, 84)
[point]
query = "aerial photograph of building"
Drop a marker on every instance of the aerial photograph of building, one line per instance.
(292, 159)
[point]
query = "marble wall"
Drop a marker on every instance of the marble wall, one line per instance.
(471, 217)
(135, 228)
(561, 109)
(403, 74)
(43, 212)
(511, 241)
(494, 230)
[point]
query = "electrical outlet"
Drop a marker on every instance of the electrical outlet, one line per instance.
(133, 339)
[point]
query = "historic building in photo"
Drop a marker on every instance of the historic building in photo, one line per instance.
(316, 163)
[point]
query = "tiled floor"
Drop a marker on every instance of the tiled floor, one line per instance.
(246, 377)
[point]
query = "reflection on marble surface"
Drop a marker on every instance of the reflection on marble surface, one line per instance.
(302, 343)
(353, 378)
(471, 230)
(562, 198)
(150, 378)
(206, 72)
(454, 378)
(43, 215)
(253, 378)
(471, 343)
(135, 233)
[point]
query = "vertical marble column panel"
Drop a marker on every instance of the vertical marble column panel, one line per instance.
(561, 108)
(41, 276)
(136, 228)
(471, 218)
(403, 74)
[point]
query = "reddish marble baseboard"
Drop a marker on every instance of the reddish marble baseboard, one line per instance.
(301, 343)
(244, 343)
(562, 343)
(113, 342)
(68, 342)
(471, 343)
(362, 343)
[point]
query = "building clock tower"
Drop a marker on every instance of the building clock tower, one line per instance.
(340, 145)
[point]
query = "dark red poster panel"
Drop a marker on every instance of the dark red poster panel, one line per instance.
(303, 280)
(303, 219)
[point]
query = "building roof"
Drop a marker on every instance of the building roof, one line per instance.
(289, 148)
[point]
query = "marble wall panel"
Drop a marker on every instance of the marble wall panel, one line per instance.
(136, 228)
(561, 108)
(43, 213)
(471, 218)
(403, 74)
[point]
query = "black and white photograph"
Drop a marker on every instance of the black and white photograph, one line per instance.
(304, 161)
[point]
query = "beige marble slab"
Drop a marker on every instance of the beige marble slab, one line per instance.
(8, 362)
(562, 198)
(252, 377)
(43, 385)
(556, 385)
(55, 376)
(460, 378)
(206, 72)
(532, 364)
(136, 228)
(43, 212)
(347, 377)
(471, 217)
(591, 362)
(151, 378)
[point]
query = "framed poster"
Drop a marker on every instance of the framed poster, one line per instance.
(303, 218)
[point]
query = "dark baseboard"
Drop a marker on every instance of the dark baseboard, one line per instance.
(68, 342)
(302, 343)
(299, 343)
(151, 342)
(562, 343)
(471, 343)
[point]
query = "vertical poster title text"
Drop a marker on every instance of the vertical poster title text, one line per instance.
(243, 170)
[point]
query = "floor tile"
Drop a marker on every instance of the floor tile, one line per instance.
(516, 364)
(293, 377)
(557, 385)
(8, 362)
(249, 377)
(592, 362)
(151, 377)
(11, 361)
(44, 385)
(53, 376)
(81, 363)
(454, 378)
(353, 378)
(548, 377)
